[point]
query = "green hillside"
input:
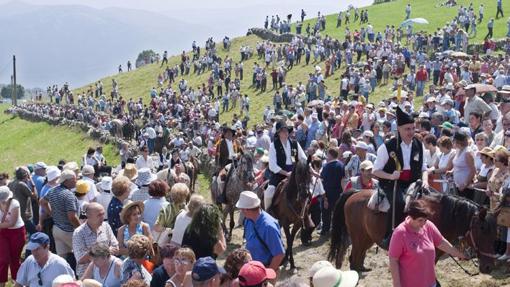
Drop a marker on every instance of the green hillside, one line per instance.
(139, 82)
(24, 142)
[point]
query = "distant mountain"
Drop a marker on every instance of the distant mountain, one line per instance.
(78, 44)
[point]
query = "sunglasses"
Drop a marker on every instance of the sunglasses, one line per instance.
(181, 261)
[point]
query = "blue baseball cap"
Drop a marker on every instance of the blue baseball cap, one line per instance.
(205, 268)
(36, 240)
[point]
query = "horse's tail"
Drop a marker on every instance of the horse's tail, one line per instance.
(339, 234)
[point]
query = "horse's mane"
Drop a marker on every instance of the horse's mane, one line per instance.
(456, 212)
(299, 173)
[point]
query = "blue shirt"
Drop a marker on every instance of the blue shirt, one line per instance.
(114, 209)
(38, 182)
(332, 174)
(269, 231)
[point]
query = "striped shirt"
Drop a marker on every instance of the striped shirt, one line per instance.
(62, 201)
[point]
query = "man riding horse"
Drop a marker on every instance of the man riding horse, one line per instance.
(284, 153)
(227, 151)
(399, 163)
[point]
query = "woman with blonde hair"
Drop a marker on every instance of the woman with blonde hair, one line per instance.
(184, 217)
(120, 190)
(184, 259)
(178, 196)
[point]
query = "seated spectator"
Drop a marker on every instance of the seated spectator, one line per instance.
(166, 270)
(42, 267)
(206, 273)
(184, 259)
(138, 248)
(254, 273)
(104, 267)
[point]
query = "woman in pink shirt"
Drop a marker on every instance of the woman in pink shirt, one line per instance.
(412, 249)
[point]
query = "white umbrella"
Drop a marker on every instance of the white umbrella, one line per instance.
(414, 21)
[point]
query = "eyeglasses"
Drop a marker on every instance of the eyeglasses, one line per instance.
(181, 261)
(39, 279)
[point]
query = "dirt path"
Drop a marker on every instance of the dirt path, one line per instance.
(449, 274)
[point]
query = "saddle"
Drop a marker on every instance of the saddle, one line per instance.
(378, 201)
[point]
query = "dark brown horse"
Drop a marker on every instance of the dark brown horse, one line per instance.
(454, 216)
(288, 205)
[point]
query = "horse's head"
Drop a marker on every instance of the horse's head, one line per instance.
(245, 167)
(302, 177)
(481, 236)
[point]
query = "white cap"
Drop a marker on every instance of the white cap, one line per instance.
(361, 145)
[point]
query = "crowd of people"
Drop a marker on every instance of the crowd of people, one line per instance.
(446, 120)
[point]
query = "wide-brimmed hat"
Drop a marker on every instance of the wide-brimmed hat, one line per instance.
(145, 176)
(129, 171)
(332, 277)
(248, 200)
(5, 193)
(65, 175)
(318, 266)
(52, 173)
(106, 183)
(283, 124)
(487, 151)
(226, 128)
(129, 206)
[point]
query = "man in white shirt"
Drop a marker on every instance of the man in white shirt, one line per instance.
(144, 160)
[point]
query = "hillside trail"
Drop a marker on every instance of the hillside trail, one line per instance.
(449, 274)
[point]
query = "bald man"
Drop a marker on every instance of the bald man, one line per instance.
(94, 230)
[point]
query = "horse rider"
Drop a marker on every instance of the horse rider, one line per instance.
(227, 151)
(399, 163)
(365, 181)
(284, 153)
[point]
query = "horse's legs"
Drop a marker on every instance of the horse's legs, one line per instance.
(287, 236)
(360, 245)
(290, 243)
(232, 222)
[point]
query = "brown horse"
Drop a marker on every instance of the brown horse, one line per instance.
(454, 216)
(289, 205)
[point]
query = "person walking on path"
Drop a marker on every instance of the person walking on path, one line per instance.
(499, 9)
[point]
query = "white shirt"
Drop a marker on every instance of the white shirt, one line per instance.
(181, 223)
(142, 163)
(230, 147)
(19, 222)
(92, 194)
(383, 157)
(273, 165)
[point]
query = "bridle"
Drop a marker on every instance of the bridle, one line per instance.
(472, 242)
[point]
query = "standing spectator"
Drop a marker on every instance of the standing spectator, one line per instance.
(331, 174)
(131, 217)
(120, 190)
(42, 267)
(184, 259)
(12, 235)
(23, 193)
(415, 266)
(463, 165)
(408, 10)
(104, 192)
(204, 234)
(499, 9)
(157, 191)
(206, 273)
(63, 206)
(183, 219)
(104, 267)
(261, 231)
(421, 77)
(87, 173)
(94, 230)
(490, 28)
(254, 273)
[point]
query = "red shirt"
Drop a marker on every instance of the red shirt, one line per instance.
(421, 75)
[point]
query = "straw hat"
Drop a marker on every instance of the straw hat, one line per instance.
(487, 151)
(332, 277)
(248, 200)
(129, 171)
(128, 206)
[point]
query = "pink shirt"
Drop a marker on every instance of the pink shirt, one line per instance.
(415, 252)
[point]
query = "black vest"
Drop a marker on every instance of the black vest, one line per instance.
(416, 163)
(281, 158)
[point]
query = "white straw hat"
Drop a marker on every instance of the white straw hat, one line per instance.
(248, 200)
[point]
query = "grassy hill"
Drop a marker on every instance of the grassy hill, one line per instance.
(139, 82)
(24, 142)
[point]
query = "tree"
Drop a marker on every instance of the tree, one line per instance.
(144, 58)
(7, 91)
